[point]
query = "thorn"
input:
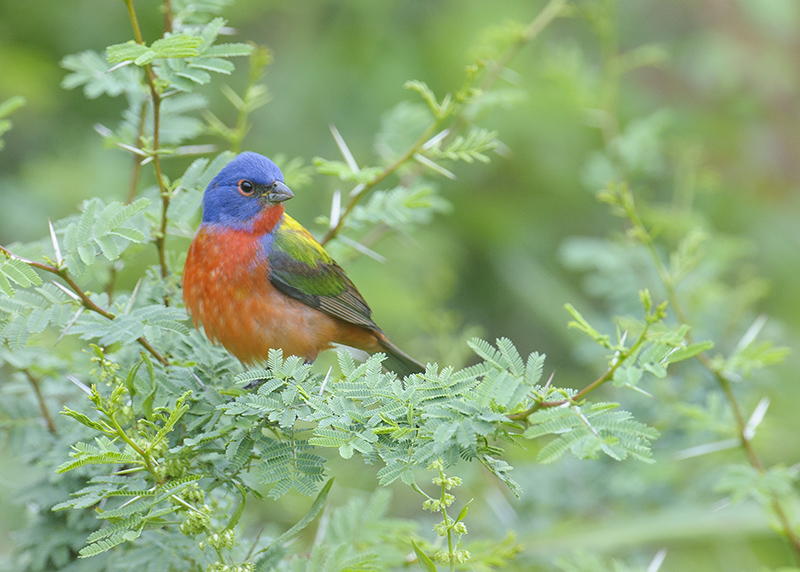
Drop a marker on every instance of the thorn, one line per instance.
(325, 381)
(657, 560)
(357, 190)
(67, 291)
(82, 386)
(435, 166)
(362, 249)
(199, 381)
(436, 138)
(751, 333)
(344, 149)
(102, 130)
(755, 419)
(129, 305)
(132, 149)
(195, 149)
(119, 65)
(549, 381)
(706, 448)
(336, 208)
(70, 324)
(640, 390)
(56, 248)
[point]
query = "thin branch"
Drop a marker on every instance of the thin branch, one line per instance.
(155, 97)
(34, 381)
(82, 297)
(722, 380)
(547, 15)
(136, 169)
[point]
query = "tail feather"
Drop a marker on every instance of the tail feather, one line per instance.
(397, 360)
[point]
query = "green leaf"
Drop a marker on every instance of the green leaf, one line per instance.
(229, 50)
(177, 46)
(580, 323)
(20, 272)
(130, 50)
(685, 352)
(83, 419)
(10, 105)
(316, 508)
(424, 560)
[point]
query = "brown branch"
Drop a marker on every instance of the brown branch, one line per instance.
(137, 163)
(34, 381)
(155, 97)
(722, 380)
(534, 28)
(415, 147)
(83, 298)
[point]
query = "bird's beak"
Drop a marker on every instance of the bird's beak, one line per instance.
(277, 192)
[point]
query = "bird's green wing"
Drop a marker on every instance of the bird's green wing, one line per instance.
(299, 267)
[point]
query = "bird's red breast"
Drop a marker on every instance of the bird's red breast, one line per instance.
(226, 286)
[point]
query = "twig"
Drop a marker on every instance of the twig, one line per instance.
(534, 28)
(48, 419)
(82, 297)
(137, 163)
(155, 97)
(722, 380)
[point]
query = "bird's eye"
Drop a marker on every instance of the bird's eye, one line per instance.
(246, 187)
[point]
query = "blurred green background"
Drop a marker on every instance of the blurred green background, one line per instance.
(496, 265)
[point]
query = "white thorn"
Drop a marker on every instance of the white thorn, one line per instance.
(83, 387)
(755, 419)
(336, 208)
(56, 248)
(435, 166)
(132, 149)
(751, 333)
(69, 324)
(344, 149)
(129, 305)
(119, 65)
(657, 560)
(362, 249)
(67, 291)
(325, 381)
(436, 138)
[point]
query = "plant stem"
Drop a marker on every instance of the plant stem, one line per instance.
(722, 380)
(137, 163)
(550, 11)
(34, 381)
(402, 159)
(82, 297)
(619, 359)
(155, 97)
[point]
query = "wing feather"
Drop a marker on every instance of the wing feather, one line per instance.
(300, 268)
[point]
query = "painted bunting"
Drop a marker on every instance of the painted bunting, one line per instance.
(257, 279)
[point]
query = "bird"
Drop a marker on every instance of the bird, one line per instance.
(257, 280)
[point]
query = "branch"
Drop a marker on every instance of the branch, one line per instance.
(155, 97)
(459, 121)
(618, 360)
(83, 298)
(722, 380)
(34, 381)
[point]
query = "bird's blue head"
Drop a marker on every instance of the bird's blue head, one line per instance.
(243, 189)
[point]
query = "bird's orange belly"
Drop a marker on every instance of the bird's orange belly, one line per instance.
(240, 309)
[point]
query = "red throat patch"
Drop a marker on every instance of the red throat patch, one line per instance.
(266, 221)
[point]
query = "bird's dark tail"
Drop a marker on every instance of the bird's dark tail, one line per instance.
(397, 360)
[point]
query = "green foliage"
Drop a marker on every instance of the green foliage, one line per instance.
(107, 229)
(6, 108)
(168, 453)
